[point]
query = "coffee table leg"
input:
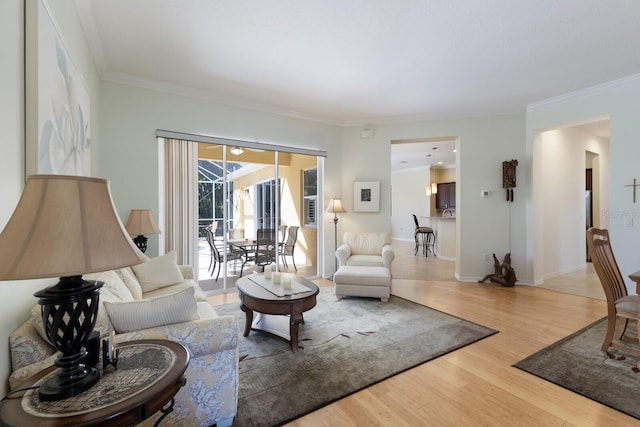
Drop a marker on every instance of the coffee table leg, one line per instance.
(249, 319)
(294, 324)
(293, 331)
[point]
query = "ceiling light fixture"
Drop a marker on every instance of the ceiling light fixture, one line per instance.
(236, 151)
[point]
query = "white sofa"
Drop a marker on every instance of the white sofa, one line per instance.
(365, 250)
(147, 295)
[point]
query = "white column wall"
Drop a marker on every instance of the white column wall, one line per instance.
(563, 177)
(620, 101)
(409, 197)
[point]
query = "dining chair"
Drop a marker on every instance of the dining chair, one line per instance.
(233, 254)
(265, 247)
(282, 234)
(621, 307)
(212, 227)
(289, 246)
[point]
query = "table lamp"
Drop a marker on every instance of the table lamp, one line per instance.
(65, 226)
(141, 222)
(335, 207)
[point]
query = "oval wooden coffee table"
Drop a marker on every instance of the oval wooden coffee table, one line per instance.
(278, 315)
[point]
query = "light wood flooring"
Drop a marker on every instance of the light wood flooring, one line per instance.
(477, 385)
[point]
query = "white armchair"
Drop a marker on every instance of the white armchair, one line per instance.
(366, 250)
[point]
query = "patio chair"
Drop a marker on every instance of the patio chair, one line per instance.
(265, 247)
(233, 254)
(289, 247)
(212, 227)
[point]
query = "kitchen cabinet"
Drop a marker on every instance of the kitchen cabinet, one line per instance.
(446, 195)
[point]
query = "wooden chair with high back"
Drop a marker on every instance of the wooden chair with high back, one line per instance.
(621, 306)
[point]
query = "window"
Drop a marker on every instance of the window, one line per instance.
(310, 197)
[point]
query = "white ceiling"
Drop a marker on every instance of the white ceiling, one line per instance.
(420, 154)
(366, 61)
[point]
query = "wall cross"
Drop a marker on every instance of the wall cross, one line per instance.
(634, 185)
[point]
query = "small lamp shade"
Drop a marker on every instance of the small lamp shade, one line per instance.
(335, 206)
(434, 188)
(141, 222)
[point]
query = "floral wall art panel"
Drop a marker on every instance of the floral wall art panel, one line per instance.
(58, 103)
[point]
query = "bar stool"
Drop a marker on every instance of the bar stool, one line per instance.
(425, 237)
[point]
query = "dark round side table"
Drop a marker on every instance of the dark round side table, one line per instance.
(148, 376)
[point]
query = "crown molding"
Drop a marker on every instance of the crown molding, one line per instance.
(581, 93)
(216, 98)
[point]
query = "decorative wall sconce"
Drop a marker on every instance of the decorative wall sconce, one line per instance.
(434, 188)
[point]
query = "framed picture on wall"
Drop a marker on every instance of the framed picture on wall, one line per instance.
(366, 196)
(58, 105)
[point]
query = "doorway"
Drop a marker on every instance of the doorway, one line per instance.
(565, 156)
(418, 168)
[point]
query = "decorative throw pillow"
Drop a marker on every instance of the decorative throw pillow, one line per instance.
(158, 272)
(149, 313)
(130, 280)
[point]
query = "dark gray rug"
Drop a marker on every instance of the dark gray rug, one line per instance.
(348, 345)
(577, 364)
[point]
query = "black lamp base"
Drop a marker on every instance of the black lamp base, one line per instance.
(58, 388)
(69, 311)
(141, 243)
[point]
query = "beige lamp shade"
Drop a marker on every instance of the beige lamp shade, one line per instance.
(141, 222)
(64, 226)
(335, 206)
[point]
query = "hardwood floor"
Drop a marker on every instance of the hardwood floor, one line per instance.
(476, 385)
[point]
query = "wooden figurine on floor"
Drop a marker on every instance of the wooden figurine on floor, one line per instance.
(503, 273)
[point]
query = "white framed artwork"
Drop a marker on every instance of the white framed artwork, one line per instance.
(58, 105)
(366, 196)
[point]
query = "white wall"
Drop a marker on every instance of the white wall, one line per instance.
(129, 151)
(484, 225)
(409, 197)
(620, 101)
(563, 175)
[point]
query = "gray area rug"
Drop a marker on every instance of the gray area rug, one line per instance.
(577, 364)
(347, 345)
